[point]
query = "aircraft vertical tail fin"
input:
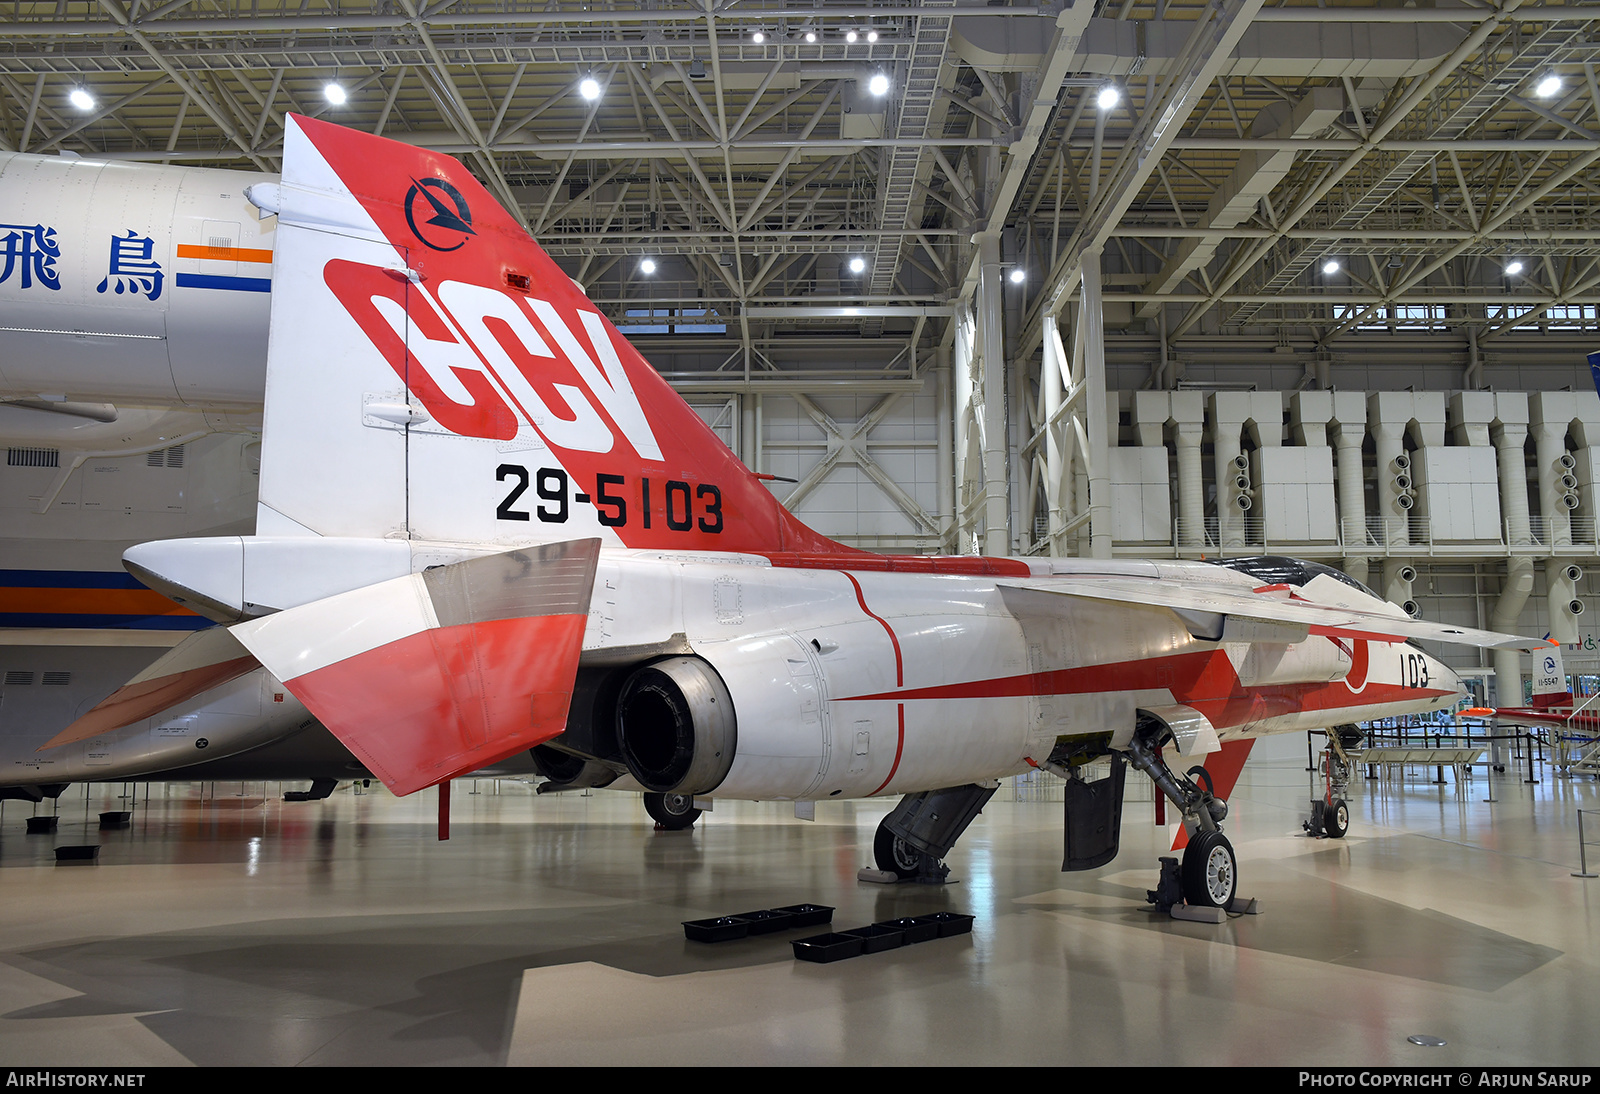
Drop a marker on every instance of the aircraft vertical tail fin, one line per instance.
(1550, 678)
(433, 374)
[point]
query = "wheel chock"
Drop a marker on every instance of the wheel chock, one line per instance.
(1194, 913)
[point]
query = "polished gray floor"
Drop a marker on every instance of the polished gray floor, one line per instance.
(234, 928)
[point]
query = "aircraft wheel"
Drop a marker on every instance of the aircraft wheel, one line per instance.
(1210, 870)
(672, 811)
(894, 855)
(1336, 819)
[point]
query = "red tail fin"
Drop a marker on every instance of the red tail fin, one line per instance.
(494, 400)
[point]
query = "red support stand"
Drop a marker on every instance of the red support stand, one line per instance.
(444, 810)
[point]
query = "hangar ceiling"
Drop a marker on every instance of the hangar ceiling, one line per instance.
(1252, 144)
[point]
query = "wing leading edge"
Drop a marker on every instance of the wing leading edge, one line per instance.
(1276, 619)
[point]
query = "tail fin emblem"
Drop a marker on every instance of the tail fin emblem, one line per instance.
(457, 219)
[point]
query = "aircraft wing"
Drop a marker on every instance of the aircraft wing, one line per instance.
(432, 675)
(1217, 613)
(204, 660)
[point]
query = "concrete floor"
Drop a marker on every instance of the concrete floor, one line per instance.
(237, 930)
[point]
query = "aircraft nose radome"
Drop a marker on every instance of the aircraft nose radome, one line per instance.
(1447, 678)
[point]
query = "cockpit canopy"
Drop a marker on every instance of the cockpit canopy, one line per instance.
(1283, 570)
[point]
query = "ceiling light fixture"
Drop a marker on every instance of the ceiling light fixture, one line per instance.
(1330, 267)
(589, 88)
(81, 99)
(1514, 267)
(811, 36)
(647, 266)
(1018, 276)
(850, 36)
(1548, 86)
(858, 265)
(1108, 98)
(335, 93)
(879, 84)
(758, 37)
(872, 36)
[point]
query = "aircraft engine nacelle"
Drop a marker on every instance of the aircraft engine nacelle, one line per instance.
(676, 726)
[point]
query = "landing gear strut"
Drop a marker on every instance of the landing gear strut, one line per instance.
(1330, 815)
(1207, 882)
(913, 839)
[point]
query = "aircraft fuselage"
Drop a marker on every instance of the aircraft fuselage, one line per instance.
(855, 683)
(132, 283)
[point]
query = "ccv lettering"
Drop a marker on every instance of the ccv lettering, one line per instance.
(482, 367)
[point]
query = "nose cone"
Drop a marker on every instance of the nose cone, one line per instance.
(1444, 678)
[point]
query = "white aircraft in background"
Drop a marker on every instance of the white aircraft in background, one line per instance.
(486, 526)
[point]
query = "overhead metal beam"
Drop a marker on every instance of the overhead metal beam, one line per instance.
(876, 311)
(1208, 47)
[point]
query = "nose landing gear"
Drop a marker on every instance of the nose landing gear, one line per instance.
(1330, 815)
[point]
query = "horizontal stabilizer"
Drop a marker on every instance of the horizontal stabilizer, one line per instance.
(1327, 620)
(204, 660)
(432, 675)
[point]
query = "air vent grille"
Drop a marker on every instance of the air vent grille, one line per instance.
(165, 457)
(14, 677)
(33, 457)
(58, 679)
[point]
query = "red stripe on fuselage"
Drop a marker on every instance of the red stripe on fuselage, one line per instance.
(899, 678)
(899, 749)
(1203, 679)
(899, 663)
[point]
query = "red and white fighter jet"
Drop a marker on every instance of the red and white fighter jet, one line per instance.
(487, 525)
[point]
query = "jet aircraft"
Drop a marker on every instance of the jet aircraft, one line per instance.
(1576, 725)
(487, 529)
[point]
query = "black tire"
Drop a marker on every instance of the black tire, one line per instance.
(673, 812)
(1336, 819)
(894, 855)
(1210, 871)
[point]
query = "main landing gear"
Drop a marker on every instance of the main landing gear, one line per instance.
(913, 839)
(1330, 815)
(1206, 884)
(672, 812)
